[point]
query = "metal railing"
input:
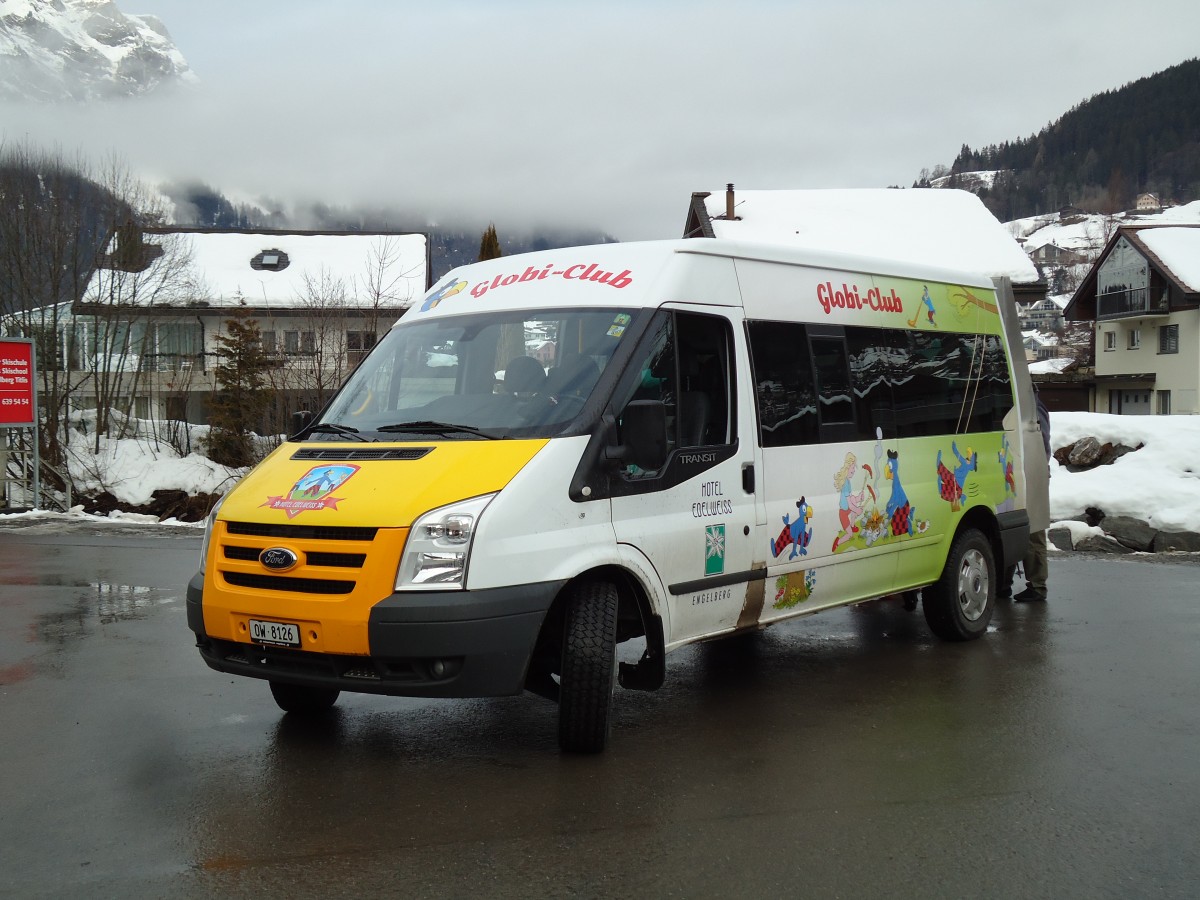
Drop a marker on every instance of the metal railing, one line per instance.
(1131, 302)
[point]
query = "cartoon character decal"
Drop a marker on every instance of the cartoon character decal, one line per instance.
(443, 293)
(1004, 457)
(850, 505)
(794, 588)
(899, 510)
(313, 491)
(796, 533)
(951, 484)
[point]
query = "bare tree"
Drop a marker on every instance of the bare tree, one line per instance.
(76, 276)
(138, 272)
(53, 220)
(385, 287)
(340, 321)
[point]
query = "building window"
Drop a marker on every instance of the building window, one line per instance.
(1135, 338)
(358, 345)
(1164, 403)
(268, 342)
(1110, 340)
(271, 260)
(1168, 339)
(291, 342)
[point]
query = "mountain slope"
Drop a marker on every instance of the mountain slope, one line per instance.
(1140, 138)
(82, 50)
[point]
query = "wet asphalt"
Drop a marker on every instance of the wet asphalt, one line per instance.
(845, 755)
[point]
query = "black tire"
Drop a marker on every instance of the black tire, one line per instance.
(588, 667)
(296, 698)
(959, 606)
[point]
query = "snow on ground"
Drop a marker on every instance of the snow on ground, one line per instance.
(1160, 483)
(133, 469)
(1087, 233)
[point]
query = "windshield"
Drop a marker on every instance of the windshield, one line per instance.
(524, 373)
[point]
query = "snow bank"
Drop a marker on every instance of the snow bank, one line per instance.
(1159, 484)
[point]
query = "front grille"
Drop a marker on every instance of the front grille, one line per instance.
(348, 454)
(333, 560)
(249, 554)
(291, 585)
(302, 532)
(336, 560)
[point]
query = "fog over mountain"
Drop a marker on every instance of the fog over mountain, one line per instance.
(606, 119)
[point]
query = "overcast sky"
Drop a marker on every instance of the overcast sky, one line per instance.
(604, 115)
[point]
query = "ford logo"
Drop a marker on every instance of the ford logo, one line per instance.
(278, 559)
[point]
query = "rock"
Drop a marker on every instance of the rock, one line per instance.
(1165, 541)
(1096, 543)
(1133, 533)
(1093, 516)
(1088, 452)
(1084, 453)
(1060, 538)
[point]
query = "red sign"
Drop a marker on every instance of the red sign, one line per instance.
(16, 382)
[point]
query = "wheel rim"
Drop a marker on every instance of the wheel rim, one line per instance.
(973, 585)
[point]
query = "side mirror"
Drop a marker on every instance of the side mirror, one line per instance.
(644, 434)
(300, 421)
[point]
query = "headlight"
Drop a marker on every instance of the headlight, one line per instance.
(439, 545)
(208, 530)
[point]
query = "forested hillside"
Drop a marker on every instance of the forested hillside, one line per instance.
(1140, 138)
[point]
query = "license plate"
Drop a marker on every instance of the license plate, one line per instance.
(283, 633)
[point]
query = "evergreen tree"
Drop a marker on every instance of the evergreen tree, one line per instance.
(489, 246)
(243, 396)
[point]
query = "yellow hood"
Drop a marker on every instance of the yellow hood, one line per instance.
(377, 485)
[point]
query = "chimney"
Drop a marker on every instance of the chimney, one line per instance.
(729, 202)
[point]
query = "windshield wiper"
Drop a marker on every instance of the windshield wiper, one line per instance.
(442, 428)
(334, 428)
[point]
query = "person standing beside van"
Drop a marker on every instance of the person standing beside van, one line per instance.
(1036, 563)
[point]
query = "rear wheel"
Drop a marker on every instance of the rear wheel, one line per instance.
(959, 605)
(588, 667)
(296, 698)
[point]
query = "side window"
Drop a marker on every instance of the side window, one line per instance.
(878, 358)
(783, 384)
(835, 404)
(688, 368)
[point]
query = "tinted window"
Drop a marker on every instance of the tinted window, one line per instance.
(783, 384)
(899, 383)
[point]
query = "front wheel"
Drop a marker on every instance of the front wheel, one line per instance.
(959, 605)
(588, 667)
(296, 698)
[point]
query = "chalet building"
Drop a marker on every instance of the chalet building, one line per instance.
(1044, 315)
(1144, 295)
(152, 311)
(1050, 254)
(950, 228)
(1039, 346)
(1148, 203)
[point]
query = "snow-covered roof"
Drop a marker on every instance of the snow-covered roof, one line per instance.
(926, 226)
(228, 267)
(1178, 249)
(1051, 366)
